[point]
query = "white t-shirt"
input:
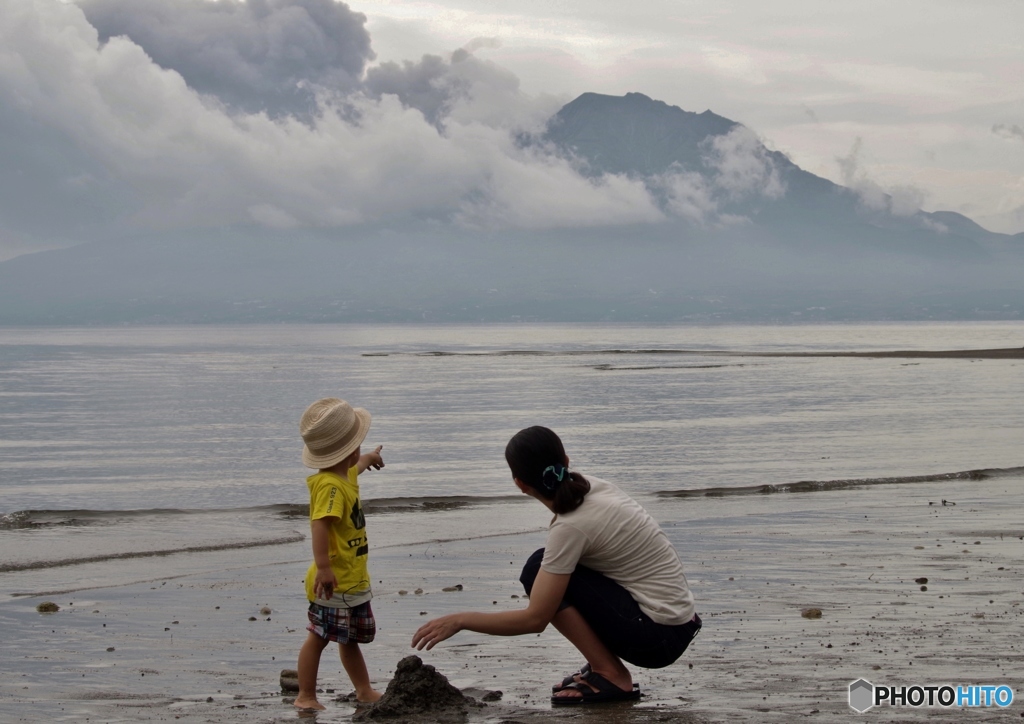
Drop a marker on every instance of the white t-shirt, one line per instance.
(611, 534)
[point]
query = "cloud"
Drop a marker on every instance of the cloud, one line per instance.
(742, 166)
(462, 88)
(688, 195)
(1015, 132)
(738, 168)
(115, 141)
(901, 200)
(258, 55)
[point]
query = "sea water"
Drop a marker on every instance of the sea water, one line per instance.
(128, 444)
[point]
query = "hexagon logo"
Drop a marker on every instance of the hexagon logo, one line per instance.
(862, 695)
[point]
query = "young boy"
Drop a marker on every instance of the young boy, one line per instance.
(338, 583)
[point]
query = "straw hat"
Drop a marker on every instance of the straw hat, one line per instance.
(332, 430)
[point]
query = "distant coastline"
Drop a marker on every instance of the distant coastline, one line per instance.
(1006, 353)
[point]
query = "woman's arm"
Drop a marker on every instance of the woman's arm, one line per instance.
(548, 590)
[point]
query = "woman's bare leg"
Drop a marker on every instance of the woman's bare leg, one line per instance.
(571, 624)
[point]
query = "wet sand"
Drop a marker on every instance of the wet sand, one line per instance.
(196, 647)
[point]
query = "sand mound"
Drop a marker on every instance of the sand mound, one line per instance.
(418, 693)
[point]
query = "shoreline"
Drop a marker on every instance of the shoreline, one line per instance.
(196, 647)
(1003, 353)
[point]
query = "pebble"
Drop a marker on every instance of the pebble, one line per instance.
(47, 607)
(921, 580)
(450, 589)
(265, 611)
(811, 613)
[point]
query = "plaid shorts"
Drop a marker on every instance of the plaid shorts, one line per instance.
(344, 625)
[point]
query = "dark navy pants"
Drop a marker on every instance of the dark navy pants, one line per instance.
(616, 618)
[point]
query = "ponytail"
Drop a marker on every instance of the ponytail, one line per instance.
(537, 458)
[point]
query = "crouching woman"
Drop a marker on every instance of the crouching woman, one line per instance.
(608, 579)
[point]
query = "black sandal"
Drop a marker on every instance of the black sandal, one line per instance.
(571, 678)
(606, 692)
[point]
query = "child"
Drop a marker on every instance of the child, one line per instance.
(338, 583)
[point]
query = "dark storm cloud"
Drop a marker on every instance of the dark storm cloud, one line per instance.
(259, 55)
(112, 131)
(434, 85)
(1001, 129)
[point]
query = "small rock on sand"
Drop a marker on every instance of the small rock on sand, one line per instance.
(811, 613)
(47, 607)
(265, 611)
(289, 680)
(451, 589)
(921, 581)
(418, 693)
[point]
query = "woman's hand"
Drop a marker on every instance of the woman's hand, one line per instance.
(436, 631)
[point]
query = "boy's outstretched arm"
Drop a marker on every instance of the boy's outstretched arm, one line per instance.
(371, 460)
(325, 581)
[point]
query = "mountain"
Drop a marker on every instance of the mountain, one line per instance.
(750, 236)
(633, 134)
(645, 138)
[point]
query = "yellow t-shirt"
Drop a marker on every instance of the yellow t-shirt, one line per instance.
(337, 499)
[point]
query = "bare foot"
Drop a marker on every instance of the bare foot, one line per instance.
(369, 697)
(308, 704)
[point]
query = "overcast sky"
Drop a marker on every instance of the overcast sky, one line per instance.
(126, 116)
(933, 88)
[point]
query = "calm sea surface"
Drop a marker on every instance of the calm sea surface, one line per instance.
(206, 418)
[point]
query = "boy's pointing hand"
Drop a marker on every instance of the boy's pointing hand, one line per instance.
(372, 459)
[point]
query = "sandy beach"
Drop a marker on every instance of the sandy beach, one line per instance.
(202, 646)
